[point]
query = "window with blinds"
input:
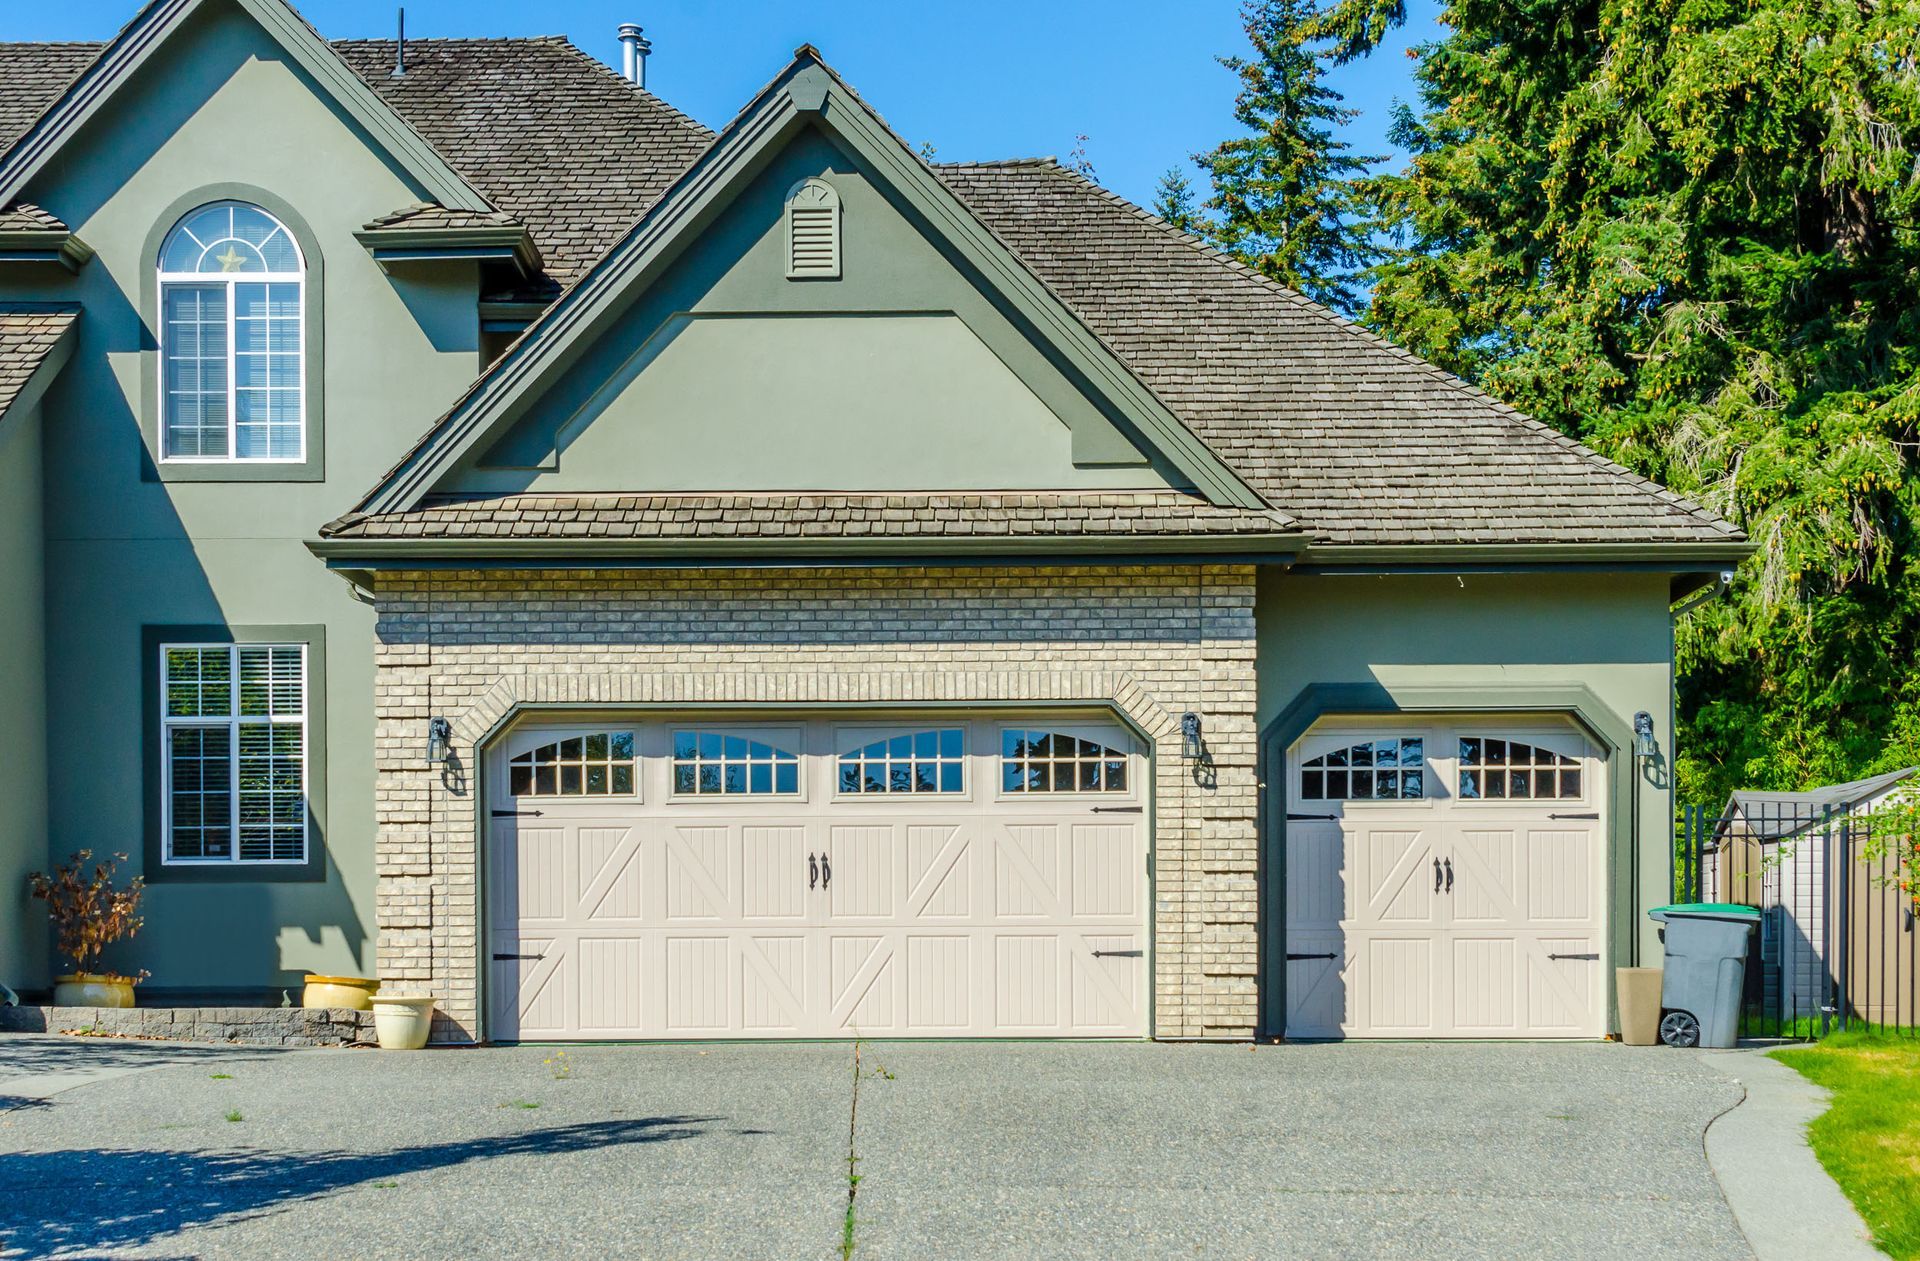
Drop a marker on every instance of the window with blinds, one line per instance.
(813, 231)
(234, 752)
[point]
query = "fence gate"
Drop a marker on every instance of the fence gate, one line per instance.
(1837, 948)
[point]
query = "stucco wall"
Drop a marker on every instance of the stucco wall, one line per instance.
(23, 768)
(221, 105)
(1484, 639)
(1149, 642)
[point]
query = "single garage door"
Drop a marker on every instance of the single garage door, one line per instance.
(818, 878)
(1446, 880)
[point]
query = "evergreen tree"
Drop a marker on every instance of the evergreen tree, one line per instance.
(1684, 231)
(1173, 200)
(1287, 196)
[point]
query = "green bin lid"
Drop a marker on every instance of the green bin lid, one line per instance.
(1706, 910)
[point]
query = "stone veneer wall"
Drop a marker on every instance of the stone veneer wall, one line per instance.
(1149, 641)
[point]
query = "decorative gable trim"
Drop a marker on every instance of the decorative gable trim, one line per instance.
(150, 30)
(735, 157)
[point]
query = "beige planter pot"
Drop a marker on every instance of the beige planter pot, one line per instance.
(1639, 1005)
(352, 992)
(402, 1022)
(92, 989)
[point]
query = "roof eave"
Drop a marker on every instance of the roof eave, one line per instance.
(45, 246)
(404, 247)
(1661, 557)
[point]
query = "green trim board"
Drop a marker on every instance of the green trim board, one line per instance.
(575, 553)
(1320, 700)
(1449, 558)
(313, 331)
(806, 94)
(149, 31)
(153, 849)
(393, 247)
(31, 246)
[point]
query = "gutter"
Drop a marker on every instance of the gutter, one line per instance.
(1494, 557)
(49, 246)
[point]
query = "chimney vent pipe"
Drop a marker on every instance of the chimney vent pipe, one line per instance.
(634, 50)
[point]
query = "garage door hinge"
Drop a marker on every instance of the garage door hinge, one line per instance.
(516, 814)
(1594, 815)
(1119, 809)
(1563, 956)
(503, 957)
(1291, 816)
(1120, 954)
(1292, 957)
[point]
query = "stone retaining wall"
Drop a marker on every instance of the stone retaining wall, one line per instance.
(249, 1026)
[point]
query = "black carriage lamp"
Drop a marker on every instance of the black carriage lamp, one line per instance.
(1644, 744)
(439, 740)
(1191, 746)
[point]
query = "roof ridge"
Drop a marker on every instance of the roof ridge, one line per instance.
(1430, 370)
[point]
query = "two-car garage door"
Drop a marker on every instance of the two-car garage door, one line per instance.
(1445, 879)
(819, 878)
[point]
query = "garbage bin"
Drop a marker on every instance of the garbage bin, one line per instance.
(1705, 970)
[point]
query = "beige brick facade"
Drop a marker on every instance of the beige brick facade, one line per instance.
(1151, 642)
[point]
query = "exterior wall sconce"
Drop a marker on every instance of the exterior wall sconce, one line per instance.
(1192, 748)
(439, 740)
(1644, 744)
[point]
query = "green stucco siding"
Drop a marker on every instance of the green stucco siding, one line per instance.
(220, 107)
(1447, 643)
(903, 374)
(23, 769)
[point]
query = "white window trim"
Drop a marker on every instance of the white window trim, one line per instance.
(784, 739)
(1112, 739)
(532, 738)
(233, 722)
(230, 280)
(850, 740)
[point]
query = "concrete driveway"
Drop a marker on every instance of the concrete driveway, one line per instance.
(962, 1150)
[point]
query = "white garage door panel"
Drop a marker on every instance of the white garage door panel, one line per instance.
(820, 913)
(1449, 912)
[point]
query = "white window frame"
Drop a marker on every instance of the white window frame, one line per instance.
(852, 740)
(233, 722)
(531, 738)
(1341, 740)
(230, 280)
(1112, 739)
(784, 739)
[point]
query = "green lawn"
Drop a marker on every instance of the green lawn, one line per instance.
(1869, 1140)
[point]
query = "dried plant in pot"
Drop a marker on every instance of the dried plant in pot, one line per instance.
(88, 915)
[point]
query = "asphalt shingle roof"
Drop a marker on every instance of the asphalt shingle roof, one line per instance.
(1351, 438)
(814, 516)
(27, 217)
(27, 334)
(426, 214)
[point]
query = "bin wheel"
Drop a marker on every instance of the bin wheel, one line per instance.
(1679, 1028)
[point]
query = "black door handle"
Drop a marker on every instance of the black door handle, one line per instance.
(1436, 875)
(1449, 875)
(813, 871)
(826, 871)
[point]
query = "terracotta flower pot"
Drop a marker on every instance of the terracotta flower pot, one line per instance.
(92, 989)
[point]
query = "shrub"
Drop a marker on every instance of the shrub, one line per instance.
(88, 913)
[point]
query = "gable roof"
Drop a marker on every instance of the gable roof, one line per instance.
(31, 339)
(149, 30)
(1772, 816)
(1364, 446)
(806, 91)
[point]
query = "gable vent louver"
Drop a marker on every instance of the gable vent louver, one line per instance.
(813, 231)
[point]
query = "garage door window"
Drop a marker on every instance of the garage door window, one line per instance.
(918, 762)
(1052, 761)
(721, 764)
(599, 764)
(1515, 771)
(1392, 769)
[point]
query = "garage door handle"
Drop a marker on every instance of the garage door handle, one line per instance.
(1594, 957)
(1329, 955)
(1449, 875)
(813, 871)
(498, 958)
(1436, 875)
(826, 872)
(1118, 954)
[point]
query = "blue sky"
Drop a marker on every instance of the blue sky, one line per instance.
(981, 79)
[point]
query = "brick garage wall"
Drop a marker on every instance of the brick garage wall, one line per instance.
(1149, 641)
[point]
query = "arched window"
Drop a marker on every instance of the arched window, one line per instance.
(1389, 769)
(232, 367)
(813, 231)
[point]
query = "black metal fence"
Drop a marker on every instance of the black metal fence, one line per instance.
(1838, 947)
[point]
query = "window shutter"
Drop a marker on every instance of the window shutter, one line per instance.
(813, 231)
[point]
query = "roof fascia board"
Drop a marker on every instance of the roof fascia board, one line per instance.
(1491, 557)
(149, 31)
(63, 248)
(561, 553)
(806, 89)
(391, 246)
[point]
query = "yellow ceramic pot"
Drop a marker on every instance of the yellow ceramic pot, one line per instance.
(402, 1023)
(92, 989)
(354, 992)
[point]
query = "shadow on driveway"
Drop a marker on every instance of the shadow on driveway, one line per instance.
(98, 1199)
